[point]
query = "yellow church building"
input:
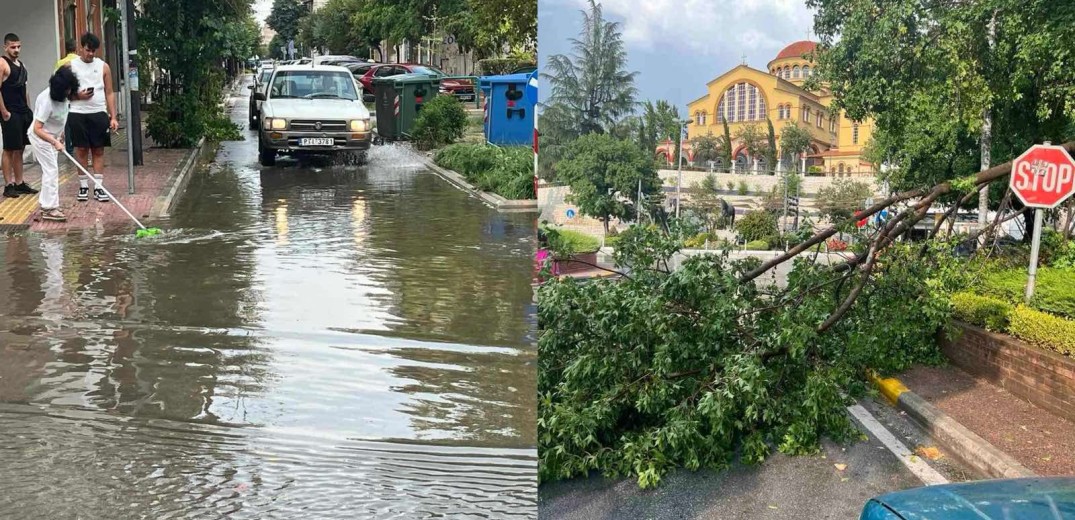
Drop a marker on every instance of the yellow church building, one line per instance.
(745, 95)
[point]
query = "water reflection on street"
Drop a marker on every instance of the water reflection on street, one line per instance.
(306, 341)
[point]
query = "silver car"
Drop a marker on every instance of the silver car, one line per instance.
(261, 79)
(312, 110)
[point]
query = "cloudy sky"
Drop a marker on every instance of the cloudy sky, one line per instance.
(262, 8)
(677, 46)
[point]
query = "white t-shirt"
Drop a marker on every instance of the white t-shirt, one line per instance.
(90, 75)
(52, 113)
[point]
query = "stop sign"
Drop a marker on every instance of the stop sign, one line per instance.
(1043, 177)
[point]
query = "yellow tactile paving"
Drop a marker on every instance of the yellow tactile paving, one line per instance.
(18, 211)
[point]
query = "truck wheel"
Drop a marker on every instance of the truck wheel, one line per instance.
(267, 157)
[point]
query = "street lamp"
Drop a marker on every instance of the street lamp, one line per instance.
(679, 179)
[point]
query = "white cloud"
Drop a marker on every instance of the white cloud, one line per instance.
(760, 28)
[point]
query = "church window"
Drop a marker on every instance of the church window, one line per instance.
(795, 72)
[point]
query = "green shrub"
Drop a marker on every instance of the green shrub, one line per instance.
(440, 122)
(1043, 329)
(757, 245)
(757, 225)
(697, 241)
(573, 242)
(743, 188)
(177, 121)
(220, 128)
(983, 311)
(507, 171)
(1054, 289)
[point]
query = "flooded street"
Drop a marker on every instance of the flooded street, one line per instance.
(304, 341)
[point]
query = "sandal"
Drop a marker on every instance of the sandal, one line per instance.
(54, 215)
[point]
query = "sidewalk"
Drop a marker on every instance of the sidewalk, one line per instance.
(153, 181)
(1035, 438)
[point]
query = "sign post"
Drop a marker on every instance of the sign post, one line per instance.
(530, 92)
(1042, 178)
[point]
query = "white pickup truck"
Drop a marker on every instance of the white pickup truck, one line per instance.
(312, 110)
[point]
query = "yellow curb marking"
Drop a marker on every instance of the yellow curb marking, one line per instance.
(890, 387)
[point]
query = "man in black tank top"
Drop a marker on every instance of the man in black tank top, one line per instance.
(15, 116)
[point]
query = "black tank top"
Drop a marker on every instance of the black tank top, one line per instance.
(13, 89)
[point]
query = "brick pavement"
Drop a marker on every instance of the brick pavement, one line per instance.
(1039, 440)
(152, 180)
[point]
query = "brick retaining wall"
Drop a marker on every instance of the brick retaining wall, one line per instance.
(1044, 378)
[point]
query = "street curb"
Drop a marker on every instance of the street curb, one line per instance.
(164, 204)
(495, 201)
(966, 445)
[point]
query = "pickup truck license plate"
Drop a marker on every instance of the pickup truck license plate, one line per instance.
(316, 141)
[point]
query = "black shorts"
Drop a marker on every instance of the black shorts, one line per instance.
(89, 130)
(15, 129)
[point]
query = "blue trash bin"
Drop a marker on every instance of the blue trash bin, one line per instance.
(509, 116)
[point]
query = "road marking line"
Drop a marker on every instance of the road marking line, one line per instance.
(923, 471)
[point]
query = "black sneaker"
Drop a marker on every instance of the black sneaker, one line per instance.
(83, 193)
(10, 191)
(25, 188)
(100, 195)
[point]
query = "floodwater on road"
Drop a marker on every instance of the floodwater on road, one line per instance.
(305, 341)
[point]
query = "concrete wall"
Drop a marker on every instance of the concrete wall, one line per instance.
(37, 25)
(757, 184)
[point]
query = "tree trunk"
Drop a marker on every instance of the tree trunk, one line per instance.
(987, 139)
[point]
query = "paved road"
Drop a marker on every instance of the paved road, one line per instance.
(780, 488)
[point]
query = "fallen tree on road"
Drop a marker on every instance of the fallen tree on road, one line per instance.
(701, 366)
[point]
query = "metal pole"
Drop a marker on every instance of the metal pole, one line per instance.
(784, 222)
(679, 178)
(535, 146)
(124, 77)
(1034, 249)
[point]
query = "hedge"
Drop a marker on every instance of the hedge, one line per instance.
(983, 311)
(579, 243)
(507, 171)
(498, 66)
(1054, 289)
(757, 245)
(1043, 329)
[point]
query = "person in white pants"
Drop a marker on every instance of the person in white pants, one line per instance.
(46, 136)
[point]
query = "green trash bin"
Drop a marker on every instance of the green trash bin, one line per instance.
(398, 100)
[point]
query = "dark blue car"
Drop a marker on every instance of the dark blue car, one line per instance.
(1010, 499)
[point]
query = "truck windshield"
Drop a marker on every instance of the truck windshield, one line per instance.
(313, 84)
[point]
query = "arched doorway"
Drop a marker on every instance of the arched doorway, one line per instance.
(742, 164)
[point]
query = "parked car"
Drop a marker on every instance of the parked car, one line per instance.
(335, 60)
(360, 68)
(1009, 499)
(463, 89)
(261, 78)
(524, 70)
(312, 110)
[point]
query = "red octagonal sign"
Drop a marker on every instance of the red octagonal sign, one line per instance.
(1043, 177)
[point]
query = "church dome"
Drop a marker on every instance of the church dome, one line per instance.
(797, 50)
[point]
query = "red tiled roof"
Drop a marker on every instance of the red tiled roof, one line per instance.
(797, 49)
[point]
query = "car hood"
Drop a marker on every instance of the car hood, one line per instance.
(315, 109)
(1015, 499)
